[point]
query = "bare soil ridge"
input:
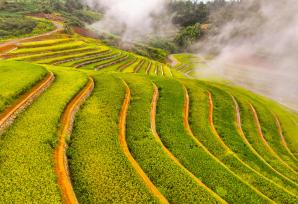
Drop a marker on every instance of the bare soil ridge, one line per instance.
(67, 119)
(125, 149)
(8, 116)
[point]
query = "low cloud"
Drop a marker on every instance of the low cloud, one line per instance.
(133, 20)
(258, 48)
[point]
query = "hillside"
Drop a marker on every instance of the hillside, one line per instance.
(83, 122)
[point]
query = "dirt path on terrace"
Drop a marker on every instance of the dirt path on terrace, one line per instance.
(13, 44)
(125, 149)
(8, 116)
(211, 108)
(283, 139)
(168, 152)
(242, 135)
(61, 165)
(264, 141)
(173, 60)
(251, 148)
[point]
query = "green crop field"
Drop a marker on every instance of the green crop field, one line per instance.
(147, 132)
(16, 78)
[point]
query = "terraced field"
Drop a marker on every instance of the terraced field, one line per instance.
(188, 64)
(82, 122)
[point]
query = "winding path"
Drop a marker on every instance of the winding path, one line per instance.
(13, 44)
(8, 116)
(61, 165)
(125, 149)
(173, 60)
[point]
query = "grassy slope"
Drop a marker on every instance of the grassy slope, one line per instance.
(63, 46)
(194, 157)
(16, 78)
(223, 103)
(199, 120)
(27, 173)
(41, 26)
(172, 180)
(100, 171)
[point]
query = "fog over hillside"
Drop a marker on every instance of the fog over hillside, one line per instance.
(258, 49)
(133, 20)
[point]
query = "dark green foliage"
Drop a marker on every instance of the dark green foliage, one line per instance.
(188, 13)
(74, 12)
(11, 26)
(188, 35)
(164, 44)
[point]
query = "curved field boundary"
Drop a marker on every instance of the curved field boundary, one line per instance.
(261, 135)
(125, 149)
(162, 71)
(181, 67)
(4, 49)
(184, 68)
(61, 166)
(283, 139)
(12, 45)
(148, 68)
(211, 109)
(44, 43)
(124, 66)
(156, 70)
(8, 116)
(87, 62)
(43, 56)
(243, 136)
(111, 63)
(139, 66)
(169, 153)
(188, 128)
(71, 59)
(168, 71)
(174, 61)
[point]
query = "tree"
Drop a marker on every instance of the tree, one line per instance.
(188, 35)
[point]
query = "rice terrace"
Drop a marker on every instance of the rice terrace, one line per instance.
(148, 101)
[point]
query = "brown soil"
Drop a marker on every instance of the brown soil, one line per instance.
(125, 149)
(211, 107)
(166, 150)
(51, 17)
(85, 32)
(13, 44)
(61, 167)
(8, 116)
(283, 140)
(173, 60)
(264, 141)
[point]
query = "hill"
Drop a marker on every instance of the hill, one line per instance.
(83, 122)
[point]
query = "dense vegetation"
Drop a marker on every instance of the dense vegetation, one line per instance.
(14, 26)
(100, 171)
(27, 173)
(74, 12)
(17, 78)
(148, 133)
